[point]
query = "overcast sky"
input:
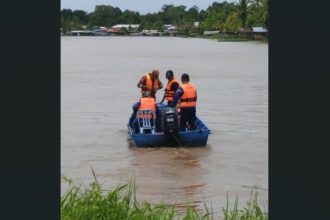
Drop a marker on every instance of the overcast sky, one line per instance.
(141, 6)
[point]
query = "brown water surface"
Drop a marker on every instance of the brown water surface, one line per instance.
(98, 87)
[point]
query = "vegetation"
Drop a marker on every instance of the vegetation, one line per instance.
(224, 16)
(121, 203)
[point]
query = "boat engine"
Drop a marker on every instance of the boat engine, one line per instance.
(170, 121)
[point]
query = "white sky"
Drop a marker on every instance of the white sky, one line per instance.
(141, 6)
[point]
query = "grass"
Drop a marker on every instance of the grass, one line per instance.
(226, 37)
(230, 38)
(251, 212)
(121, 204)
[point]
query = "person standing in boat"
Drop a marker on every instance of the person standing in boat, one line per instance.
(171, 88)
(187, 94)
(150, 82)
(147, 102)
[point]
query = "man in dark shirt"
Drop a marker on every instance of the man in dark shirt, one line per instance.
(187, 93)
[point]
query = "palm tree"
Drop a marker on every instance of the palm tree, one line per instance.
(264, 12)
(261, 8)
(243, 11)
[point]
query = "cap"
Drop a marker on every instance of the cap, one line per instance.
(185, 77)
(169, 73)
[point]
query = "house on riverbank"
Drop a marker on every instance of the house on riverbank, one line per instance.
(257, 33)
(260, 33)
(170, 29)
(81, 33)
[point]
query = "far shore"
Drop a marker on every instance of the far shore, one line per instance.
(219, 37)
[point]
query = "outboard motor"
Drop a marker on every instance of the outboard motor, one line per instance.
(170, 120)
(170, 124)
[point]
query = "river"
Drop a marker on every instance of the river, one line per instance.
(98, 88)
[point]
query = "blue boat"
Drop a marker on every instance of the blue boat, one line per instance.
(169, 135)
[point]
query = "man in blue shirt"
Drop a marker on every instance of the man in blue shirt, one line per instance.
(187, 93)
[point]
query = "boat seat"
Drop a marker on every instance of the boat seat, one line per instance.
(146, 121)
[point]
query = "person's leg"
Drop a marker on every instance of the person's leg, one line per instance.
(192, 118)
(183, 119)
(158, 121)
(136, 125)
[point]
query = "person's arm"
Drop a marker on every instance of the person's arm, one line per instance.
(177, 95)
(160, 85)
(142, 83)
(136, 106)
(174, 86)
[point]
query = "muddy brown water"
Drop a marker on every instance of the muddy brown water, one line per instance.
(98, 87)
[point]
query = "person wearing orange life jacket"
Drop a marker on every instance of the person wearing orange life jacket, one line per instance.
(172, 86)
(187, 93)
(150, 82)
(145, 103)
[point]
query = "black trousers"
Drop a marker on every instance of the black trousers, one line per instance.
(188, 115)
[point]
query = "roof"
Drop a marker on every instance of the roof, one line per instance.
(172, 28)
(126, 26)
(259, 29)
(81, 31)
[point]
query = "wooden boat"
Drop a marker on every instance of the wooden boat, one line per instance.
(169, 135)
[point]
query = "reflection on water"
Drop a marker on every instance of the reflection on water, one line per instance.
(169, 174)
(98, 87)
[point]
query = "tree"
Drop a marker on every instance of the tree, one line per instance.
(81, 16)
(151, 21)
(129, 17)
(243, 11)
(233, 23)
(172, 14)
(192, 13)
(264, 12)
(257, 13)
(105, 15)
(201, 15)
(218, 16)
(70, 20)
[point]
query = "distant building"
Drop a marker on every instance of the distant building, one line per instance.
(151, 33)
(259, 33)
(171, 29)
(81, 33)
(211, 32)
(129, 27)
(167, 26)
(115, 30)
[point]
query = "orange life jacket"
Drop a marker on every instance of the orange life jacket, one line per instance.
(189, 97)
(149, 83)
(169, 94)
(147, 103)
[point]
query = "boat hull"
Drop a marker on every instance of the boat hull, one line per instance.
(196, 137)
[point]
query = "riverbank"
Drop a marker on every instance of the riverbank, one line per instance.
(222, 37)
(229, 38)
(121, 203)
(218, 37)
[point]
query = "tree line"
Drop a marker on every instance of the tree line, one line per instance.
(224, 16)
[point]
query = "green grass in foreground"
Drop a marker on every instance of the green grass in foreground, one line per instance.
(121, 203)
